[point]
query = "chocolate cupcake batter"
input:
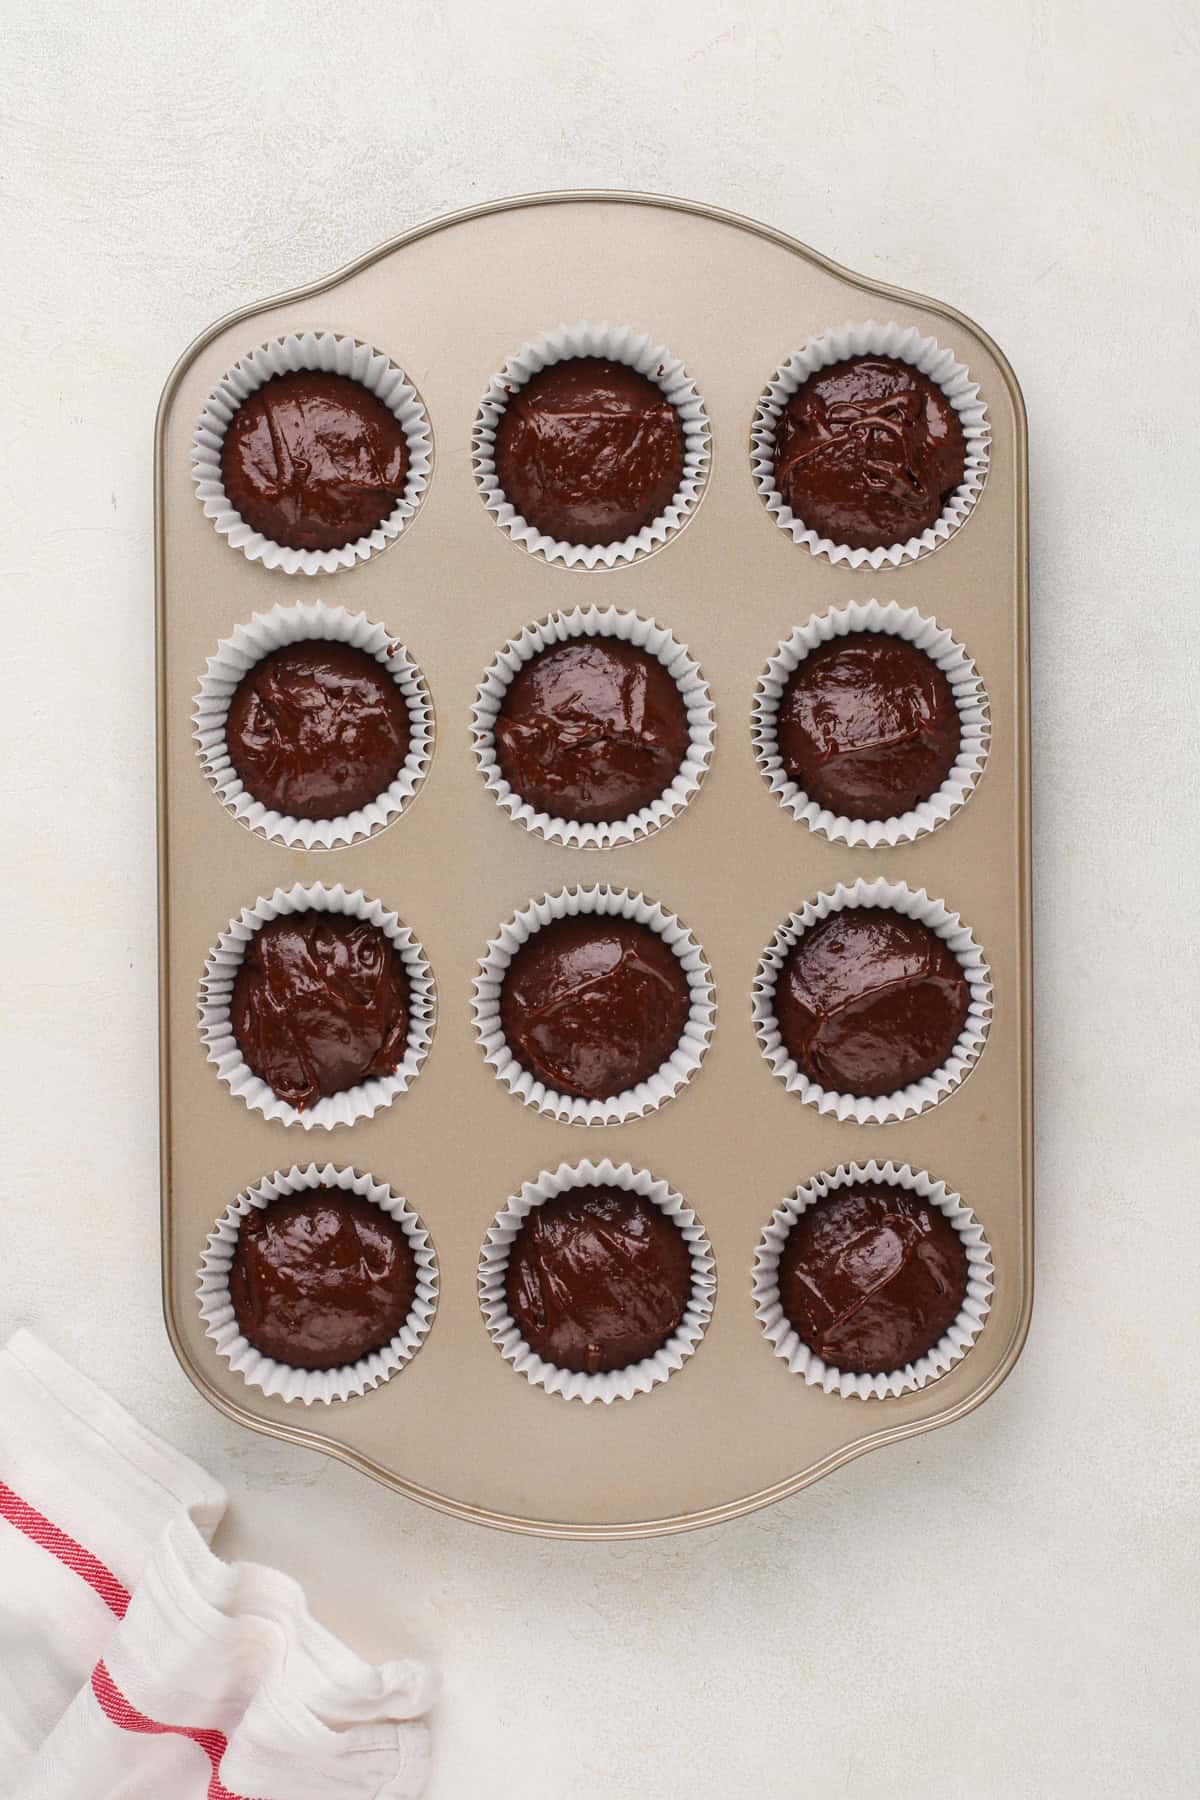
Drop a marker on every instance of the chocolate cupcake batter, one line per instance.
(593, 1005)
(598, 1278)
(869, 1001)
(313, 460)
(869, 452)
(872, 1277)
(593, 729)
(317, 729)
(320, 1003)
(320, 1279)
(589, 451)
(868, 726)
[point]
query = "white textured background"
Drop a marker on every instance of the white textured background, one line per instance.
(1007, 1608)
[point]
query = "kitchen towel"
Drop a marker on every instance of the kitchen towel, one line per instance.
(134, 1664)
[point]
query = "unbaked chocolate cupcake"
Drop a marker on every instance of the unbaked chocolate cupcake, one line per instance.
(870, 444)
(314, 726)
(868, 726)
(873, 1002)
(593, 729)
(321, 1279)
(590, 451)
(317, 730)
(591, 446)
(596, 1281)
(312, 453)
(869, 452)
(872, 1280)
(321, 1003)
(594, 1005)
(870, 1001)
(871, 724)
(314, 461)
(598, 1278)
(318, 1284)
(317, 1007)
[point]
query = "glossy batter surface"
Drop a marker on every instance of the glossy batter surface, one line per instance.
(868, 726)
(872, 1277)
(320, 1279)
(869, 452)
(313, 460)
(593, 1005)
(317, 729)
(598, 1278)
(593, 729)
(319, 1004)
(869, 1001)
(589, 451)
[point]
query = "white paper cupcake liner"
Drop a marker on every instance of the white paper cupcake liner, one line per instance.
(613, 1384)
(635, 1102)
(918, 1096)
(248, 645)
(905, 344)
(332, 355)
(616, 343)
(948, 1350)
(281, 1379)
(970, 698)
(560, 628)
(216, 998)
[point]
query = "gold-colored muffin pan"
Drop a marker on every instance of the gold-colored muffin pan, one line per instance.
(458, 1428)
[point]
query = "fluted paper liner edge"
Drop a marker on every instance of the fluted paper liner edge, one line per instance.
(970, 698)
(281, 1380)
(330, 354)
(905, 344)
(673, 1075)
(567, 627)
(611, 1384)
(918, 1096)
(615, 343)
(248, 645)
(949, 1349)
(365, 1099)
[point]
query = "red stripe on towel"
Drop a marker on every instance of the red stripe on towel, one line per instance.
(115, 1707)
(89, 1568)
(119, 1711)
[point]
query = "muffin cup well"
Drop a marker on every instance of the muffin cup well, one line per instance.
(918, 1096)
(561, 628)
(970, 698)
(216, 998)
(648, 1095)
(331, 355)
(904, 344)
(949, 1349)
(281, 1379)
(612, 1384)
(248, 645)
(615, 343)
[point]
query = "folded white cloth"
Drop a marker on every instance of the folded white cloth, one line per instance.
(134, 1665)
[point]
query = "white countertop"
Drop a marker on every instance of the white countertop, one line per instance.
(1006, 1608)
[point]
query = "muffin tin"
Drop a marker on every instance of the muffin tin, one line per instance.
(734, 1426)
